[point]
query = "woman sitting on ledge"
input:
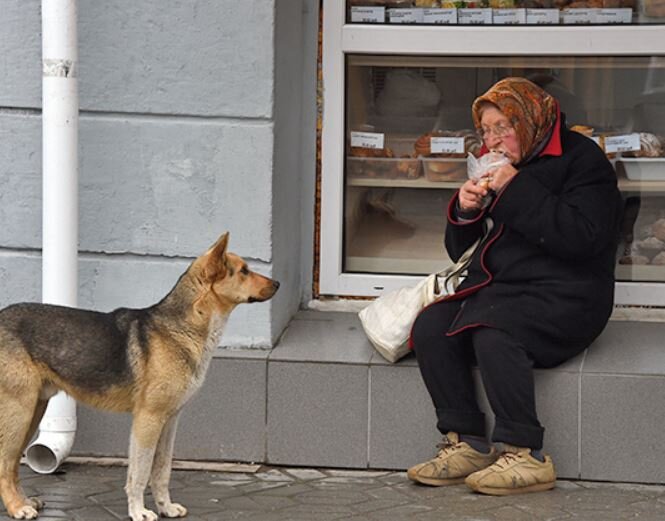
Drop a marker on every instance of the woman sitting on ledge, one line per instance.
(539, 289)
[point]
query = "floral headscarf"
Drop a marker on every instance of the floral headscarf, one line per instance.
(530, 110)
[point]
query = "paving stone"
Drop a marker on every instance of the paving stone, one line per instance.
(255, 486)
(306, 474)
(273, 475)
(357, 473)
(90, 493)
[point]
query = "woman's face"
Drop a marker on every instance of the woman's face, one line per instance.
(498, 134)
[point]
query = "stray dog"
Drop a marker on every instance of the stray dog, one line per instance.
(145, 361)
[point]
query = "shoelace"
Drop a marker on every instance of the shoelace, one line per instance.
(445, 446)
(506, 458)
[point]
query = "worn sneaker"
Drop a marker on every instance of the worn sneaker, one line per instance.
(515, 472)
(454, 461)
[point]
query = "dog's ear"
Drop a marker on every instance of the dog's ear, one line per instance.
(215, 259)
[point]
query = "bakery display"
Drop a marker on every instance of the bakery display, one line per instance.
(446, 166)
(392, 162)
(643, 237)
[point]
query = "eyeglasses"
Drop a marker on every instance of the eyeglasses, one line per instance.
(496, 131)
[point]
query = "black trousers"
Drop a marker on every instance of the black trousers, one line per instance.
(506, 371)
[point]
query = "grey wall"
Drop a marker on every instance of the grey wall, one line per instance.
(191, 124)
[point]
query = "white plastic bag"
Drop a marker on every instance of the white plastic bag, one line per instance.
(476, 168)
(387, 321)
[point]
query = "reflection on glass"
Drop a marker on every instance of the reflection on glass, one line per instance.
(409, 130)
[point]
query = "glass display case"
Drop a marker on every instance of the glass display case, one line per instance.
(397, 131)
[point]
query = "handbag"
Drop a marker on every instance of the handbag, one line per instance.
(388, 319)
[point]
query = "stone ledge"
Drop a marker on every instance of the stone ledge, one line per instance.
(324, 397)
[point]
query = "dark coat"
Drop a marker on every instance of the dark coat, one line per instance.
(545, 273)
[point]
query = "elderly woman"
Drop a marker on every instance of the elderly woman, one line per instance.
(539, 289)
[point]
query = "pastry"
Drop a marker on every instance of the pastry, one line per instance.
(658, 229)
(371, 152)
(472, 144)
(659, 259)
(650, 146)
(634, 259)
(651, 243)
(654, 7)
(582, 129)
(408, 168)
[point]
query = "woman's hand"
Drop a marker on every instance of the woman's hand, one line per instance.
(499, 177)
(471, 194)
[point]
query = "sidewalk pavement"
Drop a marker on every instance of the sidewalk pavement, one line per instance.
(88, 492)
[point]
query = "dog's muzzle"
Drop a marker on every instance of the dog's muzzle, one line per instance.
(265, 293)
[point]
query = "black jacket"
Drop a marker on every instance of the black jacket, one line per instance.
(545, 273)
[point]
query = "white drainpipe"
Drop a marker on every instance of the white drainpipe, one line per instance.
(60, 208)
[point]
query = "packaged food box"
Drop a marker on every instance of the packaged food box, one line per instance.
(395, 161)
(643, 168)
(444, 169)
(383, 168)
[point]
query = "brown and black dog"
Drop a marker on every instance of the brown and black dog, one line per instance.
(145, 361)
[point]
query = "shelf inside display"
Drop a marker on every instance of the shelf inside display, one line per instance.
(408, 183)
(383, 245)
(527, 62)
(625, 185)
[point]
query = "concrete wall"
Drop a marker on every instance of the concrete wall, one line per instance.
(190, 125)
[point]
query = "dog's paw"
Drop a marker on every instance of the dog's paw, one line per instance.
(36, 503)
(143, 514)
(25, 512)
(172, 510)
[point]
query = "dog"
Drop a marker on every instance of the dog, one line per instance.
(148, 362)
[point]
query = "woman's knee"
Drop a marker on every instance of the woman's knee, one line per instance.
(494, 347)
(427, 330)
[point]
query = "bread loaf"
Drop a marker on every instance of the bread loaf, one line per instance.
(472, 144)
(654, 7)
(650, 146)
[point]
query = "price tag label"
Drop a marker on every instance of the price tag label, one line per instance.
(367, 140)
(626, 143)
(447, 145)
(405, 16)
(542, 16)
(578, 16)
(474, 16)
(508, 16)
(440, 16)
(368, 15)
(614, 16)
